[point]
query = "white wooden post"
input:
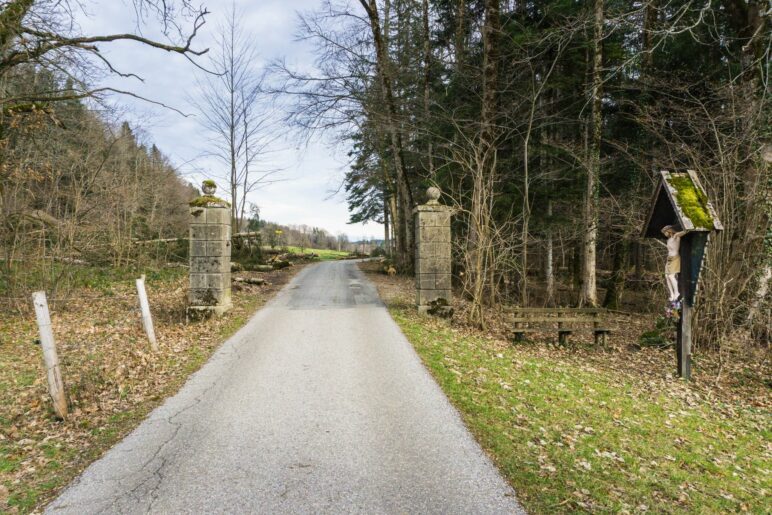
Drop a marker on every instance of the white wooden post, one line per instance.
(147, 320)
(50, 358)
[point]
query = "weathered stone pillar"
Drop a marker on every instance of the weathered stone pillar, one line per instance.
(210, 254)
(432, 260)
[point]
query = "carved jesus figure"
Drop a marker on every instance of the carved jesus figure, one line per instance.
(673, 266)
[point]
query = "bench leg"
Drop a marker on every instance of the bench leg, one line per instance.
(563, 337)
(600, 338)
(519, 337)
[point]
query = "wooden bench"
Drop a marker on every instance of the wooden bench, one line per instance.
(563, 320)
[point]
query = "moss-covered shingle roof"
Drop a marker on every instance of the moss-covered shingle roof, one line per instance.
(680, 198)
(691, 199)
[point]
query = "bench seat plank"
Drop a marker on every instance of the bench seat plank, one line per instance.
(554, 310)
(541, 320)
(560, 329)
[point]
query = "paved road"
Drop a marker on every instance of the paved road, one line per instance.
(317, 405)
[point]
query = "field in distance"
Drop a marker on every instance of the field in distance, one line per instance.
(324, 254)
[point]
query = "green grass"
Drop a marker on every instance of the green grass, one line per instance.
(8, 463)
(324, 254)
(64, 276)
(575, 439)
(26, 498)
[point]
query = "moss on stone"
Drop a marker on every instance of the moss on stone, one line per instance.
(208, 200)
(692, 200)
(210, 183)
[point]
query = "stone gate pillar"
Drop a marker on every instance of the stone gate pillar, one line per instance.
(432, 260)
(210, 254)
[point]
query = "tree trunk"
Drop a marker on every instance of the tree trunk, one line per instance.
(459, 38)
(649, 21)
(549, 273)
(427, 88)
(589, 294)
(638, 261)
(537, 104)
(576, 266)
(616, 284)
(231, 82)
(386, 239)
(748, 20)
(394, 224)
(404, 194)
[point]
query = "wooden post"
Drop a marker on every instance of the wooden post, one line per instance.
(562, 335)
(50, 357)
(684, 343)
(147, 319)
(600, 336)
(519, 336)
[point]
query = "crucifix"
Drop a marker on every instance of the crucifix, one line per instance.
(682, 215)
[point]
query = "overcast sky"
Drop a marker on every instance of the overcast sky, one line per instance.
(312, 173)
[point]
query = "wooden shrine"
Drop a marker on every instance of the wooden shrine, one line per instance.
(680, 199)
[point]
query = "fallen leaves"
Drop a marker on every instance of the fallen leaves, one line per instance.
(602, 430)
(111, 377)
(609, 455)
(584, 464)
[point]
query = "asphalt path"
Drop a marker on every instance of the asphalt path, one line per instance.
(317, 405)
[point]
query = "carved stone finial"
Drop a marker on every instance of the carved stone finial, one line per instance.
(433, 194)
(208, 187)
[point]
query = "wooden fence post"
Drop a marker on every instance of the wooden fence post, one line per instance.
(147, 320)
(50, 358)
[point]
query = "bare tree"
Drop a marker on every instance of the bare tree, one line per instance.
(234, 110)
(484, 176)
(44, 33)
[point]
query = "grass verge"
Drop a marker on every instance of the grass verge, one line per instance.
(573, 435)
(572, 438)
(112, 379)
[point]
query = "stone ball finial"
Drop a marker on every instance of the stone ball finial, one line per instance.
(208, 187)
(433, 194)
